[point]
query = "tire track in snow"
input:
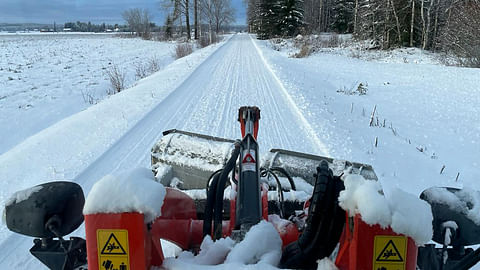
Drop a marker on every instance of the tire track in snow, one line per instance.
(321, 146)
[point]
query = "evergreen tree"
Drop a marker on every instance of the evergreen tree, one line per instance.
(342, 18)
(291, 17)
(267, 21)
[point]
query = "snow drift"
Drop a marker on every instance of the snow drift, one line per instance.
(134, 191)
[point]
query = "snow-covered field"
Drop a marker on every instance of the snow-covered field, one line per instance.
(428, 117)
(45, 77)
(427, 114)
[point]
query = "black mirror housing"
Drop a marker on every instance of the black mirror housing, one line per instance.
(56, 203)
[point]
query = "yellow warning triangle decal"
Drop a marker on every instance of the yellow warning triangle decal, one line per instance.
(389, 253)
(113, 246)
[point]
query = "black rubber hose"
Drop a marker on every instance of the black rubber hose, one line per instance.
(210, 178)
(284, 172)
(218, 215)
(264, 173)
(325, 223)
(320, 206)
(208, 213)
(280, 194)
(468, 261)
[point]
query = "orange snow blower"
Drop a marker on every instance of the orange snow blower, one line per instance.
(311, 229)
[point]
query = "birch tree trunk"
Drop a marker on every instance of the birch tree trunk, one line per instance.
(412, 22)
(187, 18)
(435, 27)
(423, 20)
(427, 32)
(195, 15)
(355, 17)
(399, 33)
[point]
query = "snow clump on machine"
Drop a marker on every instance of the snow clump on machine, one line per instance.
(18, 197)
(22, 195)
(135, 191)
(261, 249)
(326, 264)
(403, 212)
(466, 200)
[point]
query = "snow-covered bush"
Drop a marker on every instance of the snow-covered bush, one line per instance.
(361, 90)
(116, 77)
(144, 69)
(182, 50)
(305, 51)
(312, 43)
(204, 40)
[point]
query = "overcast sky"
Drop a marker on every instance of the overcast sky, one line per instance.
(96, 11)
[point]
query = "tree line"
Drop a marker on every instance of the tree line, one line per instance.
(91, 27)
(206, 16)
(437, 25)
(211, 14)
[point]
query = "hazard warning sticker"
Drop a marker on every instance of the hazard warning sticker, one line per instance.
(112, 246)
(389, 252)
(248, 161)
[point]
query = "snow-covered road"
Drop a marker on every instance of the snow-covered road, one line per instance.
(207, 101)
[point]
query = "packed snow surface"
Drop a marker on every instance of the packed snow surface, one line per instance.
(134, 191)
(403, 212)
(261, 249)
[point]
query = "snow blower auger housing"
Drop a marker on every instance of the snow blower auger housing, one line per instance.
(221, 188)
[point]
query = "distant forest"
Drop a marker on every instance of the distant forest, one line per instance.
(91, 27)
(69, 26)
(436, 25)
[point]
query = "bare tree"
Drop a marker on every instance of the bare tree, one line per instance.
(195, 15)
(139, 21)
(207, 10)
(218, 13)
(462, 34)
(180, 8)
(224, 14)
(252, 14)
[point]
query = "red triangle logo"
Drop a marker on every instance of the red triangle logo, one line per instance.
(248, 159)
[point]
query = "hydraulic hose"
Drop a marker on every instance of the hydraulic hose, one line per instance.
(280, 203)
(210, 179)
(324, 223)
(220, 188)
(208, 213)
(284, 172)
(468, 261)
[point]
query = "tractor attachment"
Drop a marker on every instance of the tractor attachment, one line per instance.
(218, 188)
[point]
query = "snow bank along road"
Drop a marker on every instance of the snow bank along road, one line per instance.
(207, 101)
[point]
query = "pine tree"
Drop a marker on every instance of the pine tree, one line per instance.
(291, 17)
(267, 21)
(342, 18)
